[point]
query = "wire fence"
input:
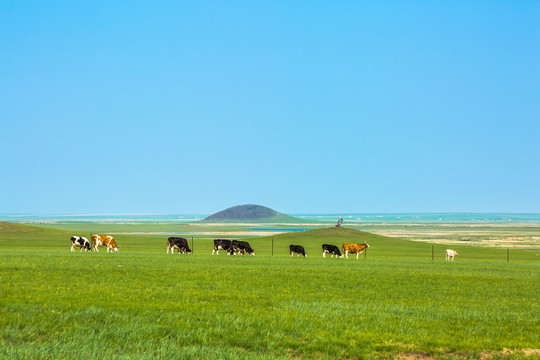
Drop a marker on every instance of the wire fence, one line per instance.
(433, 252)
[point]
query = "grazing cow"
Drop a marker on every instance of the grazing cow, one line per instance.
(221, 244)
(233, 248)
(178, 243)
(353, 248)
(297, 249)
(240, 247)
(331, 249)
(450, 254)
(104, 240)
(81, 242)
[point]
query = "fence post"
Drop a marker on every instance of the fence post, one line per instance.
(272, 246)
(192, 247)
(365, 253)
(507, 255)
(432, 252)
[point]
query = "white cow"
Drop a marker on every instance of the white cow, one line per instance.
(450, 254)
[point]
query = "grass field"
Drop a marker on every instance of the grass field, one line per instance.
(142, 303)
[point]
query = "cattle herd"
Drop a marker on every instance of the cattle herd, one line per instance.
(232, 247)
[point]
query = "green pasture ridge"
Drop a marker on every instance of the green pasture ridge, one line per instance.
(30, 238)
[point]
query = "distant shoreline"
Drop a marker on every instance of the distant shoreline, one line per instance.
(348, 217)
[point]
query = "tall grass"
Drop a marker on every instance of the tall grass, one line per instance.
(90, 305)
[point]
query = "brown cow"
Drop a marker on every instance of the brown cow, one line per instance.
(104, 240)
(354, 248)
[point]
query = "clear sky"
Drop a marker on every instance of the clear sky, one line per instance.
(302, 106)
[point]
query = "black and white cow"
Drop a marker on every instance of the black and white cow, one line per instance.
(81, 242)
(331, 249)
(240, 247)
(178, 243)
(221, 244)
(297, 249)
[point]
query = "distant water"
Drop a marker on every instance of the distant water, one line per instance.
(410, 217)
(186, 218)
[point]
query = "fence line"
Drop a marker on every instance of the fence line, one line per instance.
(273, 250)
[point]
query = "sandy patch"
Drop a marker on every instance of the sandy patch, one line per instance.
(224, 234)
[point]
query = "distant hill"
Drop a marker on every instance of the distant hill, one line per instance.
(250, 214)
(10, 227)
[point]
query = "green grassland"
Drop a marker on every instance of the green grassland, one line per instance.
(143, 303)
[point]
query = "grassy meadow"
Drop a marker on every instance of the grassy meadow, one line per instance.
(143, 303)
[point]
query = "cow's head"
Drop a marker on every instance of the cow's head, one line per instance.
(116, 249)
(365, 243)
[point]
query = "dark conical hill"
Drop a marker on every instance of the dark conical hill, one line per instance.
(250, 214)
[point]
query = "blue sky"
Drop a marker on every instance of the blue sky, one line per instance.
(318, 107)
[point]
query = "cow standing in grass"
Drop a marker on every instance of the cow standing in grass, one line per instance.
(353, 248)
(297, 249)
(81, 242)
(240, 248)
(178, 243)
(221, 244)
(104, 240)
(450, 254)
(331, 249)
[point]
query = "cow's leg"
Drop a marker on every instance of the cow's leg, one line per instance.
(347, 254)
(72, 247)
(323, 254)
(357, 255)
(81, 249)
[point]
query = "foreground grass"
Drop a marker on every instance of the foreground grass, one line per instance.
(89, 305)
